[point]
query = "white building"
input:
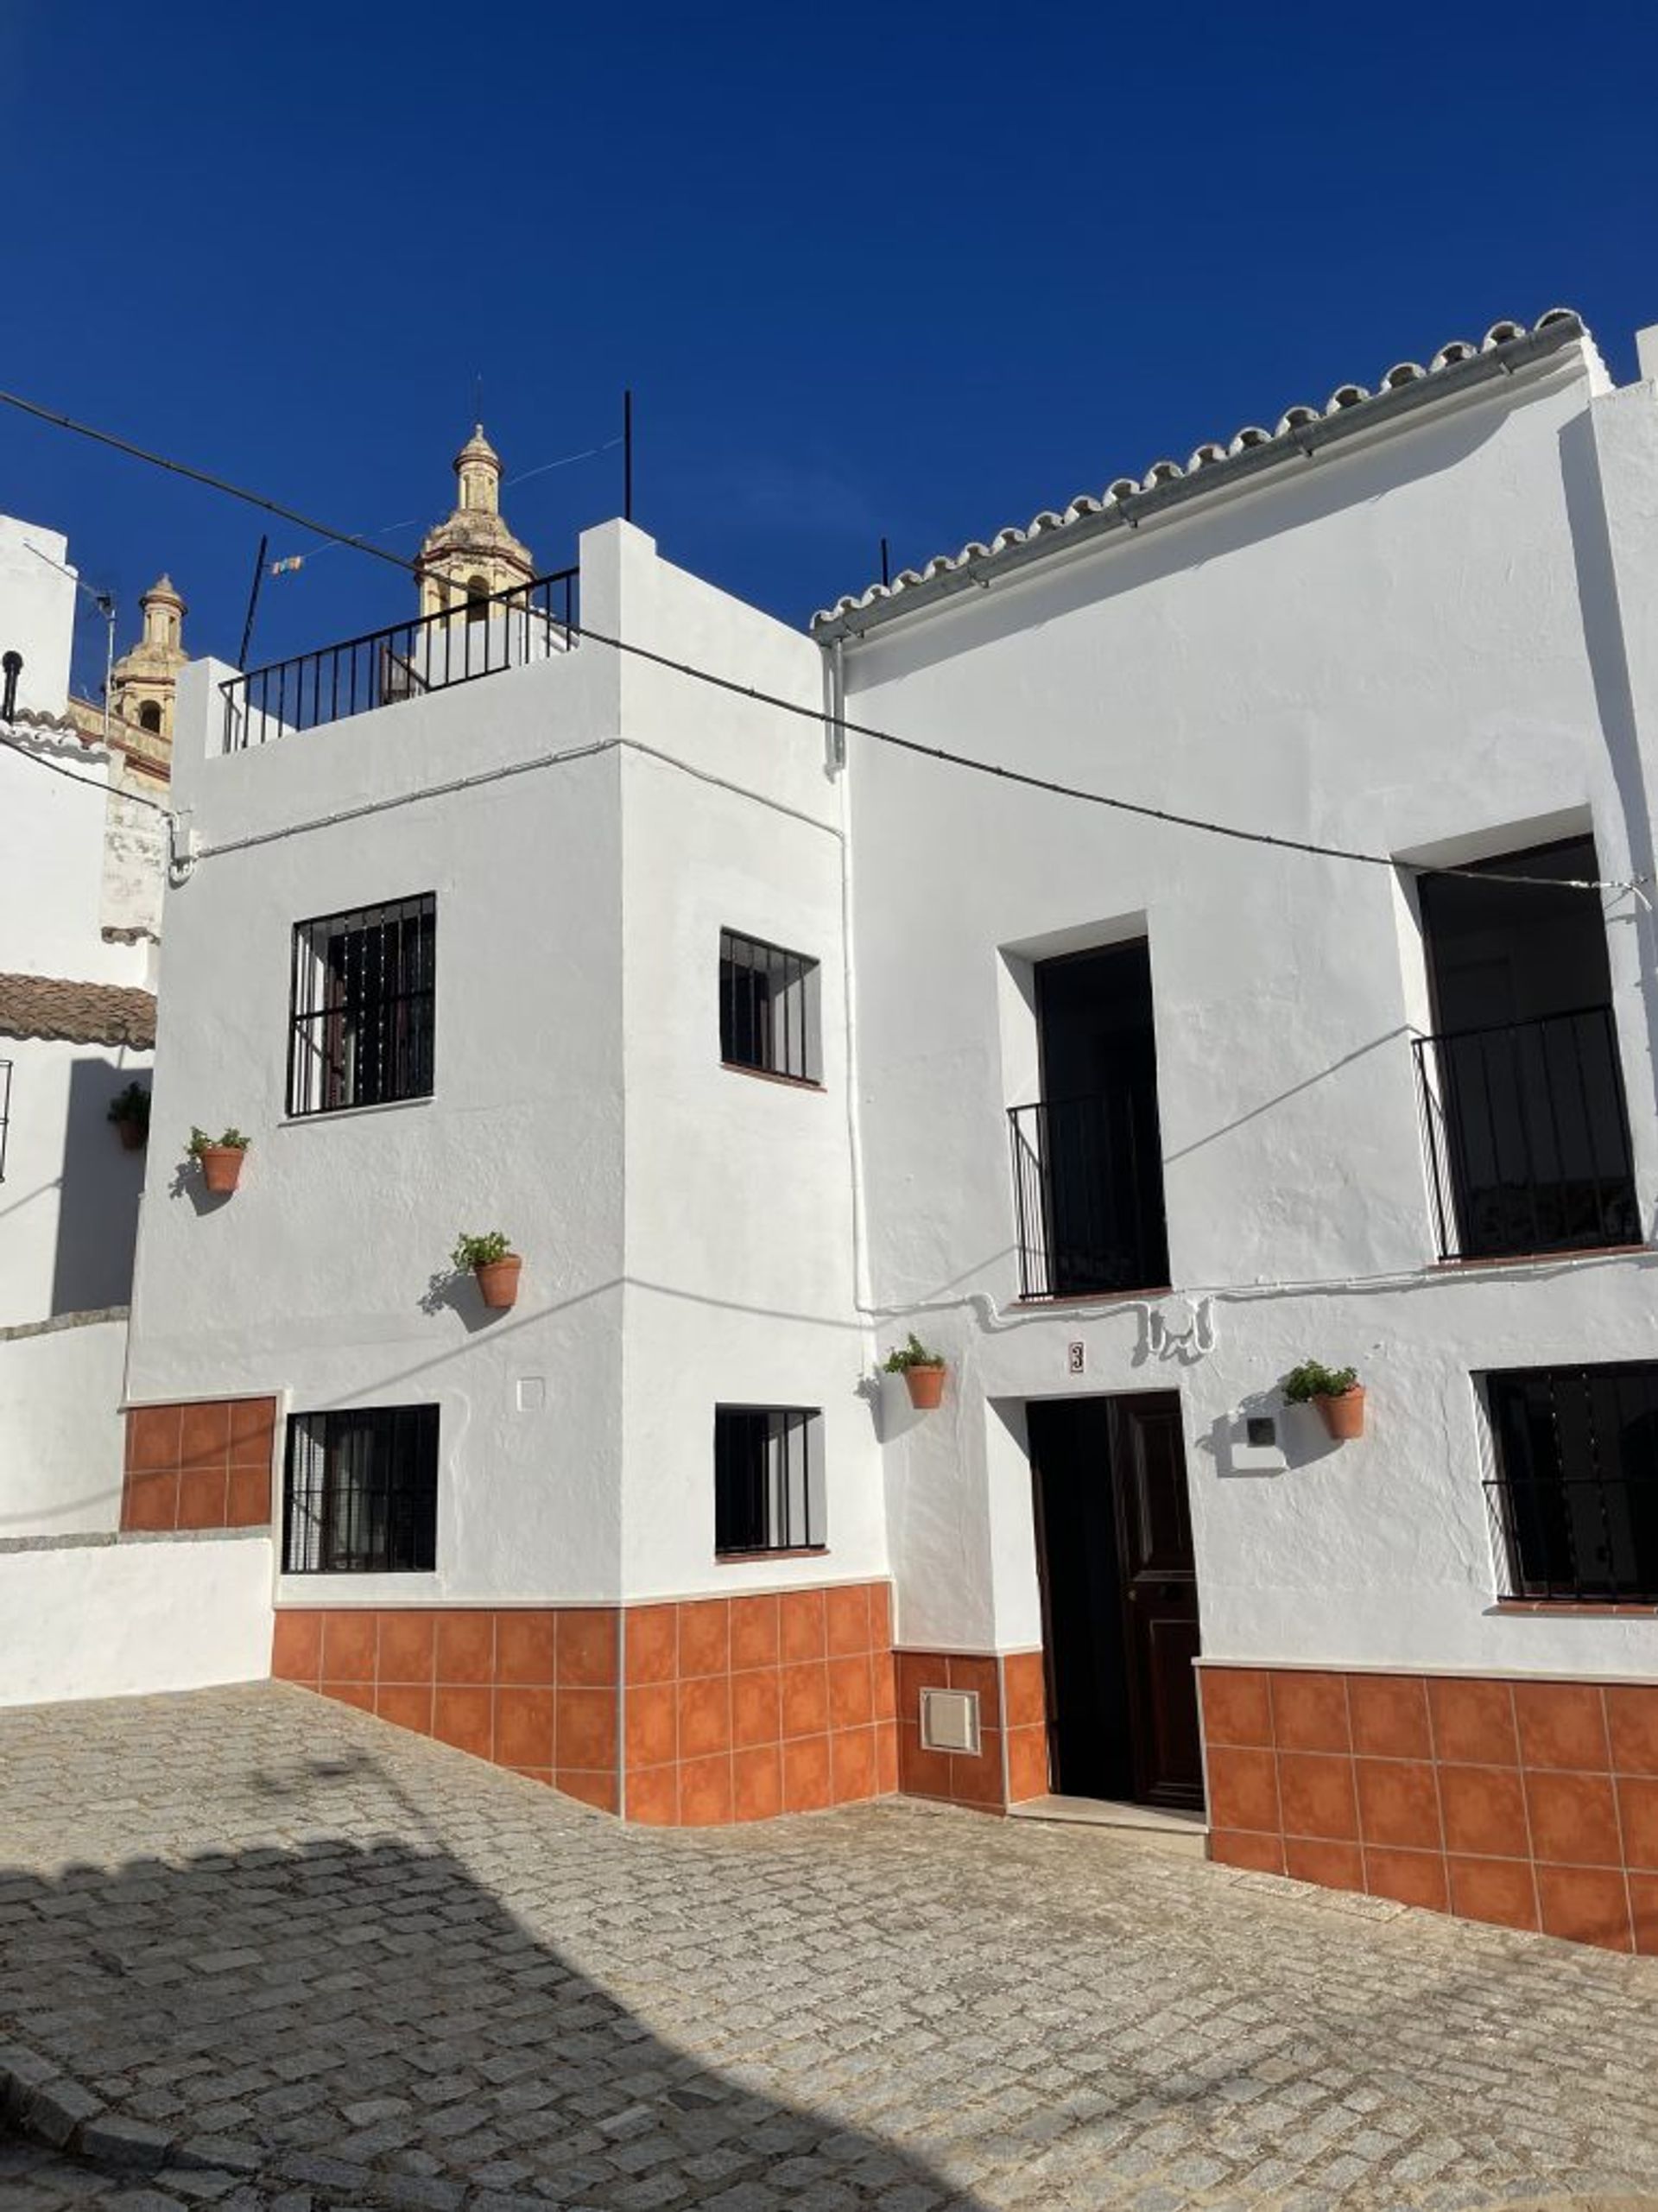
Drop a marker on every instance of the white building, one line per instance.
(82, 860)
(767, 1041)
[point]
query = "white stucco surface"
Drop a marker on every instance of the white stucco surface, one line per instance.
(1437, 643)
(127, 1620)
(62, 1429)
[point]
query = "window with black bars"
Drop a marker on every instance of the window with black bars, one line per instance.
(364, 1006)
(768, 1479)
(769, 1014)
(1575, 1496)
(362, 1491)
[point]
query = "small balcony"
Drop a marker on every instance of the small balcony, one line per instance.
(1528, 1137)
(1088, 1194)
(532, 621)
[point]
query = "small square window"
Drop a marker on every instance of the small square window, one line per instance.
(1574, 1491)
(769, 1012)
(361, 1496)
(364, 1003)
(768, 1479)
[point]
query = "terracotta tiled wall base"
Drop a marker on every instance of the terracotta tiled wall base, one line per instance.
(533, 1689)
(737, 1708)
(202, 1466)
(1012, 1704)
(1531, 1803)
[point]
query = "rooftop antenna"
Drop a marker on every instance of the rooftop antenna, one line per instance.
(886, 563)
(253, 600)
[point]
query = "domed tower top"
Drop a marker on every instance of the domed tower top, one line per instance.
(473, 555)
(144, 679)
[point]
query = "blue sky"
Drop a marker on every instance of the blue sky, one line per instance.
(917, 271)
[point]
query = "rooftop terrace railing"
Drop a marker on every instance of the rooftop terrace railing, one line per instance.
(476, 637)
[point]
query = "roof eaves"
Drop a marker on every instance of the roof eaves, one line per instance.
(1302, 431)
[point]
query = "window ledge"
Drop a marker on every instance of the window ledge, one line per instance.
(352, 1113)
(1578, 1608)
(749, 1558)
(1552, 1257)
(771, 1075)
(1094, 1297)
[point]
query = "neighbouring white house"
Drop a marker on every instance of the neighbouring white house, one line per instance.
(82, 864)
(718, 972)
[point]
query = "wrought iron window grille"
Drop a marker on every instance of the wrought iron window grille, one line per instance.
(770, 1011)
(1574, 1496)
(361, 1495)
(768, 1479)
(5, 1112)
(361, 1031)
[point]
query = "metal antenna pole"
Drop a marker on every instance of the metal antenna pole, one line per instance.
(253, 601)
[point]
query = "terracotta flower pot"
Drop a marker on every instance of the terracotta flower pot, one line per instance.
(498, 1280)
(1344, 1416)
(926, 1386)
(132, 1135)
(221, 1166)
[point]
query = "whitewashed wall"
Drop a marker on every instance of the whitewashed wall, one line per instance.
(579, 912)
(131, 1618)
(69, 1202)
(61, 1427)
(1412, 646)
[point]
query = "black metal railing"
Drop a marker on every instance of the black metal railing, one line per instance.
(768, 1009)
(1088, 1194)
(1528, 1137)
(362, 1491)
(1574, 1501)
(768, 1479)
(475, 638)
(5, 1112)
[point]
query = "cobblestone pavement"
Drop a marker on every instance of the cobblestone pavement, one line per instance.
(260, 1951)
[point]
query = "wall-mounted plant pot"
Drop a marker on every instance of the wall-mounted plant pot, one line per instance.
(498, 1280)
(926, 1386)
(1344, 1416)
(221, 1166)
(134, 1135)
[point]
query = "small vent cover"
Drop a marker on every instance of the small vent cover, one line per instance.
(950, 1721)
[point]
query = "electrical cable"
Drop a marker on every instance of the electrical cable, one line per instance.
(91, 782)
(1140, 810)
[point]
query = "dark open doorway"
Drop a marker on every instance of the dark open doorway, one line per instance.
(1119, 1598)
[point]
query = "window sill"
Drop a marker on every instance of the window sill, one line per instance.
(1554, 1257)
(771, 1075)
(352, 1112)
(1094, 1297)
(749, 1558)
(1578, 1608)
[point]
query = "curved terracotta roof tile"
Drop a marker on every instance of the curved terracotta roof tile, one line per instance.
(50, 1007)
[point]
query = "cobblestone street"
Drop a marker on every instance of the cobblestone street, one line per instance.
(258, 1949)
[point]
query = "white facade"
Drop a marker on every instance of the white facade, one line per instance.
(1437, 641)
(686, 1229)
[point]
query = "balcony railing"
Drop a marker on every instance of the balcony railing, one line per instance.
(1088, 1194)
(476, 637)
(1528, 1137)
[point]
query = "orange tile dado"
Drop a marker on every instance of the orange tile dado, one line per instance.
(203, 1465)
(1530, 1803)
(688, 1713)
(1010, 1766)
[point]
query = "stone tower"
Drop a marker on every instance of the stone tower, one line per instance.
(473, 555)
(144, 679)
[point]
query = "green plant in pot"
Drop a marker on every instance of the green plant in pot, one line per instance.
(922, 1370)
(129, 1111)
(494, 1263)
(1336, 1392)
(221, 1157)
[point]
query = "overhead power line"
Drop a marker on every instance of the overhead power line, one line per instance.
(91, 782)
(1140, 810)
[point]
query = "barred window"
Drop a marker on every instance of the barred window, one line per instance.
(363, 1001)
(362, 1491)
(1575, 1498)
(768, 1016)
(768, 1479)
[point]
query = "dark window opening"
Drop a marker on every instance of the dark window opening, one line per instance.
(477, 598)
(149, 716)
(1088, 1173)
(768, 1479)
(362, 1491)
(1575, 1498)
(364, 1001)
(1522, 1089)
(768, 1009)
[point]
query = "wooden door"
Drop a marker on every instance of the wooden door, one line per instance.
(1159, 1597)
